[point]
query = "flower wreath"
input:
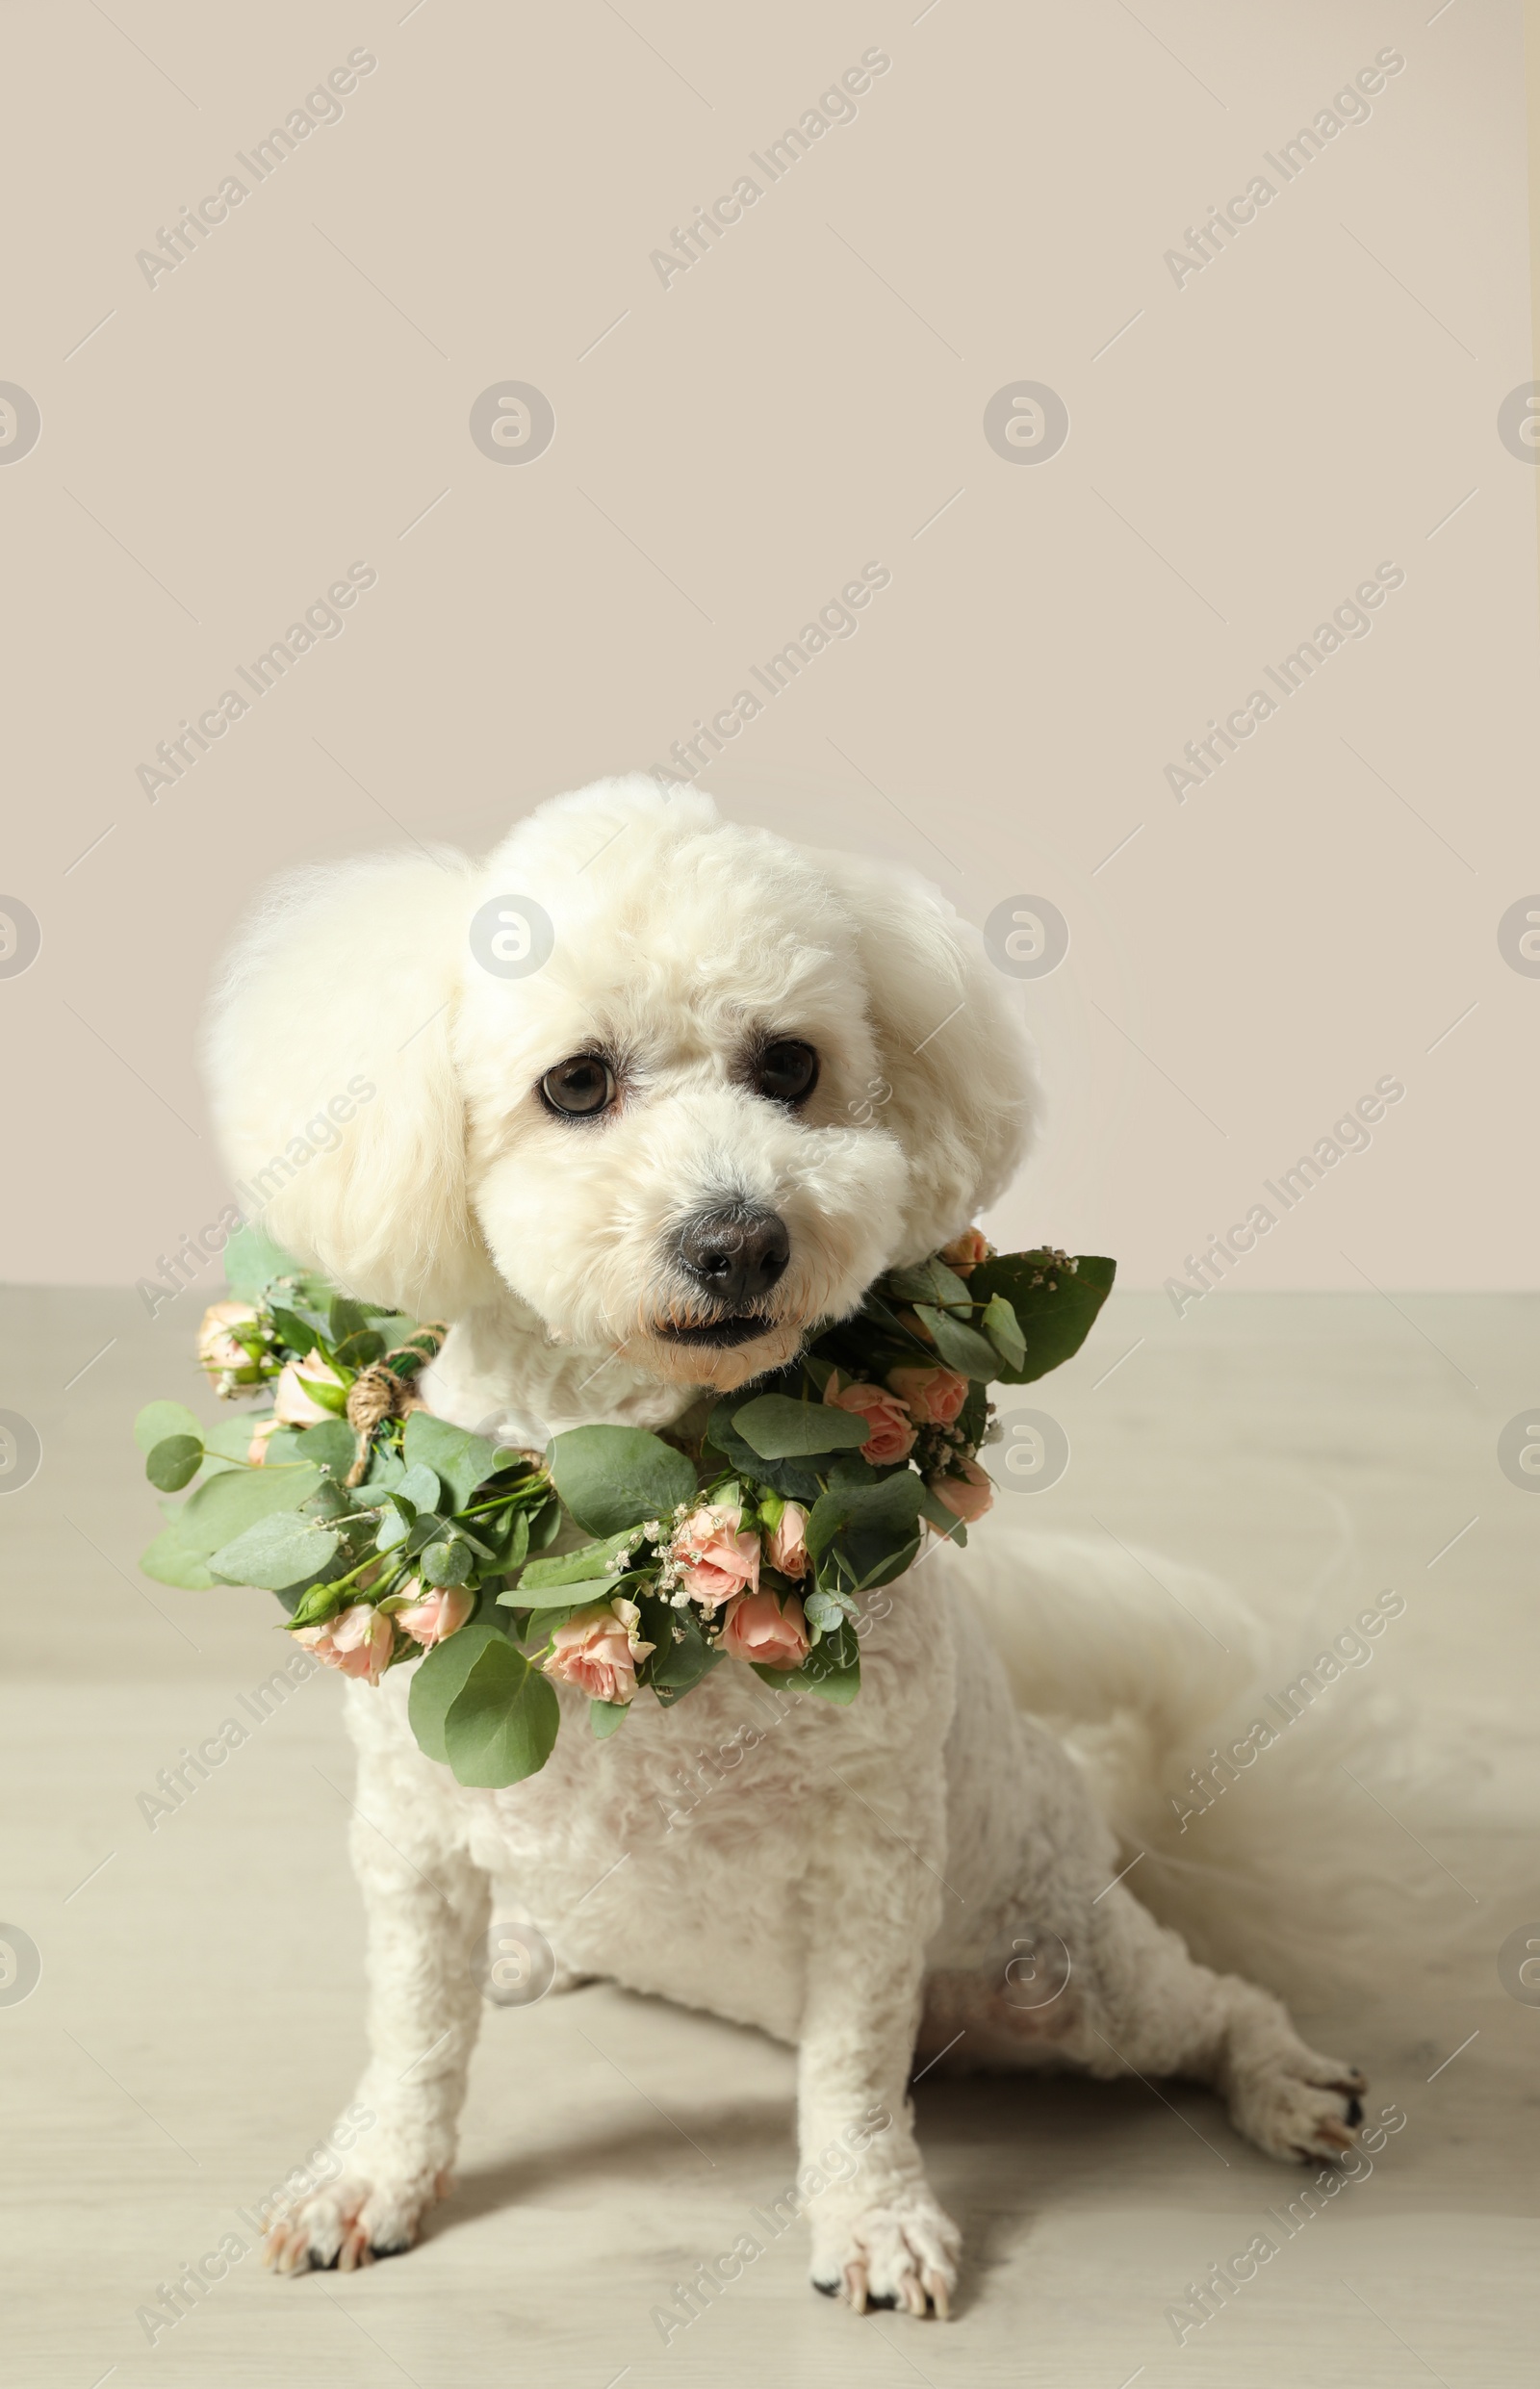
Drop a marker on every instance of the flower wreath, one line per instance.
(616, 1560)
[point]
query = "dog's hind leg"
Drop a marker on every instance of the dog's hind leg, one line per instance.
(1151, 2010)
(427, 1908)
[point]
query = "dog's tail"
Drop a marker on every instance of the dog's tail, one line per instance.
(1254, 1775)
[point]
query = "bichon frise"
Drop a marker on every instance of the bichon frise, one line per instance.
(635, 1019)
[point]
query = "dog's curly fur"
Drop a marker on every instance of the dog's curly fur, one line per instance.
(867, 1880)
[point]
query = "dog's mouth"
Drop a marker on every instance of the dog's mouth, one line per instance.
(719, 1334)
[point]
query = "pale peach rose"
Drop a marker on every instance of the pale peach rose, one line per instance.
(293, 1406)
(933, 1395)
(786, 1548)
(716, 1558)
(435, 1612)
(218, 1350)
(892, 1436)
(755, 1626)
(597, 1651)
(968, 1497)
(359, 1641)
(964, 1252)
(257, 1447)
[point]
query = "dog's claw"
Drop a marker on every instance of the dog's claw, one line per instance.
(940, 2295)
(856, 2286)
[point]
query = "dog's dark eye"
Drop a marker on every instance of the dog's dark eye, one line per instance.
(578, 1088)
(788, 1071)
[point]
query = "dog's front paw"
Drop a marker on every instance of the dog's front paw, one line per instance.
(1299, 2107)
(902, 2251)
(351, 2223)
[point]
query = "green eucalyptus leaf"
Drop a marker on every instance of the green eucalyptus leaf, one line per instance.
(676, 1668)
(394, 1528)
(501, 1725)
(330, 1444)
(796, 1479)
(607, 1717)
(446, 1562)
(1003, 1331)
(158, 1420)
(890, 1506)
(437, 1683)
(577, 1567)
(564, 1596)
(421, 1487)
(174, 1461)
(777, 1428)
(959, 1346)
(253, 1261)
(275, 1552)
(168, 1561)
(296, 1334)
(1055, 1305)
(610, 1478)
(932, 1282)
(461, 1460)
(215, 1512)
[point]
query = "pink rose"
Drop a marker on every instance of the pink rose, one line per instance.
(933, 1395)
(964, 1252)
(436, 1612)
(597, 1651)
(359, 1641)
(892, 1437)
(716, 1559)
(293, 1406)
(787, 1546)
(218, 1350)
(757, 1628)
(968, 1497)
(257, 1447)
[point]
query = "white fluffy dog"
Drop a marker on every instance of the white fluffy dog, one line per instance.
(922, 1868)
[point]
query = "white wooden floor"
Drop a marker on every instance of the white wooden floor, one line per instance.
(197, 2020)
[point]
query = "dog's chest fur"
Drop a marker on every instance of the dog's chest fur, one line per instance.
(672, 1856)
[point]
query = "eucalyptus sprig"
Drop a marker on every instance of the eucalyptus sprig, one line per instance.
(617, 1561)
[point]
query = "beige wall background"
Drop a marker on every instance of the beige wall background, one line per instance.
(1246, 448)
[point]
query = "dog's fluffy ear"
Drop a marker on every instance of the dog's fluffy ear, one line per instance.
(952, 1046)
(337, 1006)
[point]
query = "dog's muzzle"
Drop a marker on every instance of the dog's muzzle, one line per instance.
(730, 1261)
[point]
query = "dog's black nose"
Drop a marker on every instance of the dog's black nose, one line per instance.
(736, 1256)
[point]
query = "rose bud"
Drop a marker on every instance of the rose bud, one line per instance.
(754, 1626)
(219, 1351)
(431, 1616)
(933, 1395)
(597, 1651)
(968, 1497)
(786, 1544)
(359, 1641)
(294, 1406)
(892, 1437)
